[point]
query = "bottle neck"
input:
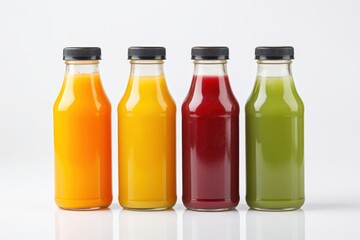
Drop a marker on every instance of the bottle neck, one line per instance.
(146, 68)
(274, 68)
(210, 68)
(82, 67)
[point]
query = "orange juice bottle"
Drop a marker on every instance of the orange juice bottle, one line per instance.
(146, 125)
(82, 134)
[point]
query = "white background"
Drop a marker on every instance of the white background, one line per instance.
(325, 34)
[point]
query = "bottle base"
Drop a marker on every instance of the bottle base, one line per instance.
(83, 205)
(146, 205)
(276, 205)
(83, 209)
(157, 209)
(211, 209)
(202, 205)
(274, 209)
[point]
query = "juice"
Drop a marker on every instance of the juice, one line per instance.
(275, 145)
(146, 125)
(82, 135)
(210, 128)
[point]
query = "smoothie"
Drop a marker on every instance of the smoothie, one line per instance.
(210, 127)
(275, 145)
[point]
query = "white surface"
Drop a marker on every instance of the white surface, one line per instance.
(326, 37)
(315, 221)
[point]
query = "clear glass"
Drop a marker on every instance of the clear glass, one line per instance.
(82, 139)
(274, 140)
(210, 136)
(274, 68)
(147, 140)
(147, 68)
(210, 68)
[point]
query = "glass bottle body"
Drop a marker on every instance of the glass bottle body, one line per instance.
(274, 140)
(210, 136)
(147, 139)
(82, 139)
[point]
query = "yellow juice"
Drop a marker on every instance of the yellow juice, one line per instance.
(146, 131)
(82, 138)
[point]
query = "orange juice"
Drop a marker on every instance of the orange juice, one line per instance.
(82, 137)
(146, 131)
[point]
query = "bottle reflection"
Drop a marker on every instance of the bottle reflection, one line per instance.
(275, 225)
(160, 225)
(89, 225)
(211, 225)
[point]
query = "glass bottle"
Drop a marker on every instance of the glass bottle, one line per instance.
(82, 134)
(274, 134)
(147, 134)
(210, 135)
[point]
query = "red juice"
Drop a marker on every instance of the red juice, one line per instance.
(210, 138)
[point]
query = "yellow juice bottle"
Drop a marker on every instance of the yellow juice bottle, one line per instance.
(82, 134)
(146, 132)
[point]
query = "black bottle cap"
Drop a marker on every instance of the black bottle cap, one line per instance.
(82, 53)
(274, 53)
(209, 53)
(146, 53)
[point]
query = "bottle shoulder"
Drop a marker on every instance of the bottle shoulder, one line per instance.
(146, 94)
(64, 103)
(266, 104)
(96, 101)
(274, 94)
(207, 105)
(210, 94)
(138, 104)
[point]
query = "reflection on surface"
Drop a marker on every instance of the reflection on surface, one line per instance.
(159, 225)
(89, 225)
(211, 225)
(275, 225)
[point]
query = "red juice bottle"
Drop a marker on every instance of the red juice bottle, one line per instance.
(210, 135)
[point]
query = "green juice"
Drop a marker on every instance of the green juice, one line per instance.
(275, 145)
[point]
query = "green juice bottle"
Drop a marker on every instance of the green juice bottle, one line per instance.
(274, 135)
